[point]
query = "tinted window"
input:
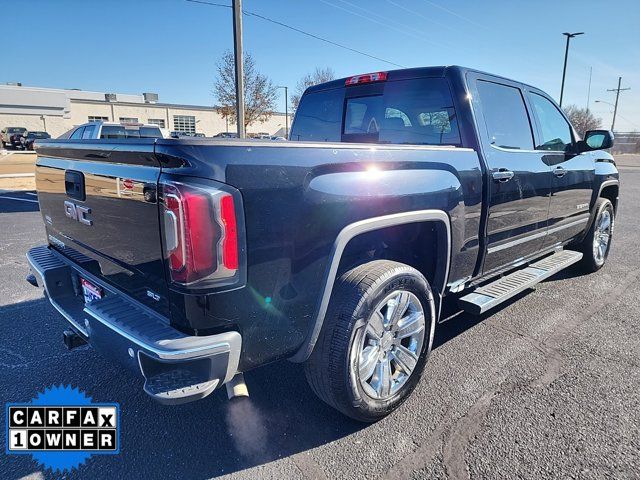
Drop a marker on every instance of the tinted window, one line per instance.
(505, 116)
(113, 131)
(38, 135)
(556, 132)
(123, 131)
(151, 132)
(418, 112)
(89, 131)
(15, 130)
(319, 116)
(77, 133)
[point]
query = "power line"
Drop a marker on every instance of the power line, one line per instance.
(451, 12)
(386, 22)
(414, 12)
(284, 25)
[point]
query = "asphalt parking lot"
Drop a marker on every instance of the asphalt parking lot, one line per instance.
(546, 386)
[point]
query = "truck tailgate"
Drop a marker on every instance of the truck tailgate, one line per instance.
(99, 204)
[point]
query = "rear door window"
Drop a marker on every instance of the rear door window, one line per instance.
(505, 116)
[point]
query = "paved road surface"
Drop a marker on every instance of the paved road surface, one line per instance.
(546, 386)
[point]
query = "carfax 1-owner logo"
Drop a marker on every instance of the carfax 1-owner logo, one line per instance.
(62, 427)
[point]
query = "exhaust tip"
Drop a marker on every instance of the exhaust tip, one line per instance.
(236, 387)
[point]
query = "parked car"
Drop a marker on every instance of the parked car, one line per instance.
(112, 130)
(10, 136)
(194, 261)
(226, 135)
(27, 140)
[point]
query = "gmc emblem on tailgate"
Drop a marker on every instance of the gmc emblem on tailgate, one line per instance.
(77, 212)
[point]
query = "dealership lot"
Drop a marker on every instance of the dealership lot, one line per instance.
(548, 385)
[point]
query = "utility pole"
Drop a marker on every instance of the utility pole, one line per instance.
(566, 55)
(286, 111)
(237, 50)
(615, 107)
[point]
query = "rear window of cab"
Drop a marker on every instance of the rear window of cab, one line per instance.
(416, 111)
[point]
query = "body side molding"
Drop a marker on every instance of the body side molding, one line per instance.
(348, 233)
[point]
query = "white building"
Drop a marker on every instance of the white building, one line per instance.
(58, 110)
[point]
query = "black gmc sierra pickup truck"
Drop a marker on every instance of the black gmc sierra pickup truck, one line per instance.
(194, 260)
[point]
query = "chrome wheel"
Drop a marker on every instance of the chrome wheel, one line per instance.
(390, 344)
(602, 236)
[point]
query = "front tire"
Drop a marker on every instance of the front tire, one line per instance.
(375, 340)
(597, 242)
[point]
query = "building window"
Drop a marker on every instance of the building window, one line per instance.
(98, 119)
(157, 121)
(184, 123)
(128, 120)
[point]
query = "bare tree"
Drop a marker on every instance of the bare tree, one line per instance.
(582, 119)
(319, 75)
(260, 94)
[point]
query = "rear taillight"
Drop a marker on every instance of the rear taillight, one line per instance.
(366, 78)
(200, 234)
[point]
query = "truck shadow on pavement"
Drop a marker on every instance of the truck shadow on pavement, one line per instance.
(204, 439)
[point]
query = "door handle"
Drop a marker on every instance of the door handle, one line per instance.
(503, 175)
(559, 172)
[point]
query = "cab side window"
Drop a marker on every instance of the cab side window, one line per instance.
(555, 130)
(505, 116)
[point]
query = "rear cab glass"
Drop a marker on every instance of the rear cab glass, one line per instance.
(414, 111)
(126, 131)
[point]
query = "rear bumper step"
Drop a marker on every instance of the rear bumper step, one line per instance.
(493, 294)
(177, 368)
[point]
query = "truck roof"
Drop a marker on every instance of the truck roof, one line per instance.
(416, 72)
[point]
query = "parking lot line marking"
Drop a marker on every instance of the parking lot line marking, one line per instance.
(31, 193)
(17, 175)
(19, 199)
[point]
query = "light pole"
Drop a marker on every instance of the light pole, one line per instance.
(286, 111)
(566, 55)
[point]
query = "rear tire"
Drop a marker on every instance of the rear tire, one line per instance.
(375, 340)
(596, 244)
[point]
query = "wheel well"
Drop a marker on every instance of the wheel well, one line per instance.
(611, 192)
(422, 245)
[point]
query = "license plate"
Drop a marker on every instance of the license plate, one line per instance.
(90, 291)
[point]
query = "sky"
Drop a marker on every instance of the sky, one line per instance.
(171, 47)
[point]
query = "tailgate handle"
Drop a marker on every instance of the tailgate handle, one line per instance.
(74, 184)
